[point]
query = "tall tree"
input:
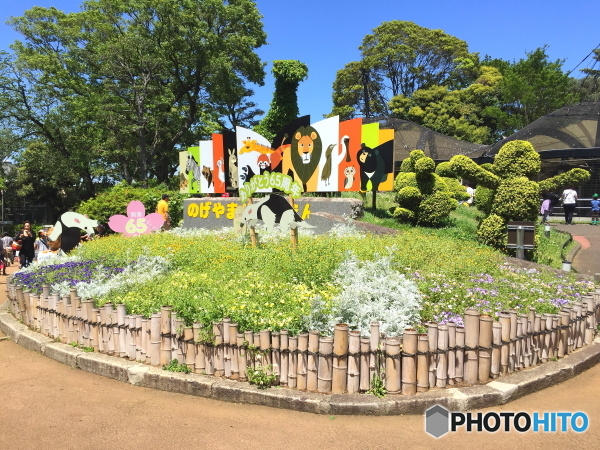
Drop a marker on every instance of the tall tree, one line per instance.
(398, 58)
(123, 83)
(589, 86)
(288, 74)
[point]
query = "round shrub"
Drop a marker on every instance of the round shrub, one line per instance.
(415, 155)
(402, 214)
(484, 198)
(492, 232)
(424, 165)
(409, 197)
(517, 159)
(435, 209)
(444, 169)
(405, 179)
(517, 199)
(406, 165)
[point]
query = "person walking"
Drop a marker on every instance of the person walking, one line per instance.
(595, 209)
(545, 209)
(7, 242)
(162, 208)
(569, 198)
(27, 252)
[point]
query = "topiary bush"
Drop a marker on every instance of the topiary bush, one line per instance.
(504, 189)
(423, 196)
(115, 200)
(444, 169)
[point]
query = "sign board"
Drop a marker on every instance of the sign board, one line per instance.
(528, 230)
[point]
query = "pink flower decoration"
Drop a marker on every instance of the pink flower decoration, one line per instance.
(136, 222)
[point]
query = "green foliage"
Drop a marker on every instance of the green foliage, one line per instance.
(484, 198)
(517, 199)
(465, 167)
(492, 232)
(444, 169)
(261, 376)
(435, 209)
(517, 159)
(406, 165)
(402, 214)
(414, 156)
(175, 366)
(398, 58)
(118, 86)
(284, 106)
(424, 166)
(377, 387)
(115, 200)
(456, 190)
(573, 177)
(409, 197)
(550, 251)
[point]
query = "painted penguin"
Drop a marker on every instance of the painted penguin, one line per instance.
(66, 229)
(273, 209)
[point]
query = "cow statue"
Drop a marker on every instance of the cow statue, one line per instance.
(65, 234)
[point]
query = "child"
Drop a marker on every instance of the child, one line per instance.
(545, 209)
(595, 209)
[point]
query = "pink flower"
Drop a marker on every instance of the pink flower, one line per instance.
(136, 222)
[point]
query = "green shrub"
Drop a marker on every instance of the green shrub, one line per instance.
(406, 165)
(444, 169)
(517, 159)
(492, 232)
(115, 200)
(403, 214)
(415, 155)
(409, 197)
(484, 198)
(424, 165)
(571, 178)
(517, 199)
(435, 209)
(465, 167)
(456, 189)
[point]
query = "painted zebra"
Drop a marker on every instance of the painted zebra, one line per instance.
(193, 167)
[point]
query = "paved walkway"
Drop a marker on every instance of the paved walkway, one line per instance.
(44, 404)
(587, 260)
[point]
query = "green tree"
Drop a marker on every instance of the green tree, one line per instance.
(284, 106)
(398, 58)
(119, 86)
(533, 87)
(588, 87)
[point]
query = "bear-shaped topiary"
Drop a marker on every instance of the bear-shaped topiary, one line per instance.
(505, 190)
(423, 196)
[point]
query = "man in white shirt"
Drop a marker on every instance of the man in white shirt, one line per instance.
(569, 198)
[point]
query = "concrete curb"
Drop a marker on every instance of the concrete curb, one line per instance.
(494, 393)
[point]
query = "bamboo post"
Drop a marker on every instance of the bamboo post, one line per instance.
(165, 335)
(234, 350)
(218, 349)
(241, 354)
(374, 342)
(524, 347)
(190, 348)
(340, 358)
(581, 320)
(544, 340)
(90, 316)
(548, 337)
(284, 343)
(392, 365)
(27, 308)
(471, 345)
(110, 343)
(121, 311)
(518, 354)
(155, 339)
(176, 352)
(512, 354)
(312, 367)
(451, 352)
(577, 307)
(72, 294)
(54, 298)
(555, 334)
(325, 372)
(497, 341)
(35, 302)
(504, 320)
(266, 353)
(253, 237)
(293, 365)
(564, 327)
(138, 337)
(97, 340)
(132, 337)
(354, 362)
(144, 347)
(200, 348)
(442, 359)
(535, 360)
(432, 332)
(588, 303)
(276, 356)
(460, 354)
(302, 361)
(226, 348)
(486, 323)
(410, 346)
(528, 329)
(365, 349)
(249, 338)
(423, 362)
(572, 330)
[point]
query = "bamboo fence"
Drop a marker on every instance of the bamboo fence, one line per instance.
(446, 356)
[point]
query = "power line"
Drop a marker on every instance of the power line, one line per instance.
(588, 55)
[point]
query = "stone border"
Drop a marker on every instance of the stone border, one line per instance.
(493, 393)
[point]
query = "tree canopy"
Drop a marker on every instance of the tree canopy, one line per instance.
(115, 89)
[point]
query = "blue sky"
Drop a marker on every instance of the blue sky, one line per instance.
(326, 34)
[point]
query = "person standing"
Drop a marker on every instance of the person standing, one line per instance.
(27, 252)
(471, 193)
(7, 242)
(545, 209)
(162, 208)
(41, 244)
(595, 209)
(569, 198)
